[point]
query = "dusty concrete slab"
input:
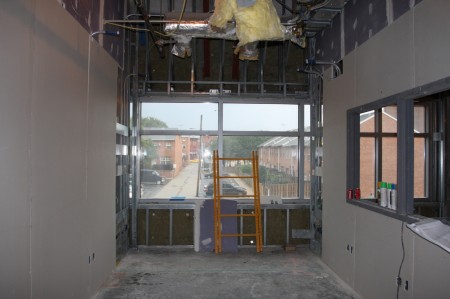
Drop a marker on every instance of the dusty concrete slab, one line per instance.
(155, 273)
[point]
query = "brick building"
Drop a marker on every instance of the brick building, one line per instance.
(389, 153)
(172, 153)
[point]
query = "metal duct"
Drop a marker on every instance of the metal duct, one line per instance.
(195, 25)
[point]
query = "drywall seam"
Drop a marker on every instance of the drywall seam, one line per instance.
(342, 34)
(413, 258)
(354, 249)
(30, 147)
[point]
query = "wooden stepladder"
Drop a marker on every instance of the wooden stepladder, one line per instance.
(219, 195)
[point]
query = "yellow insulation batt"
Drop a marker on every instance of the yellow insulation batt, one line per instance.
(253, 23)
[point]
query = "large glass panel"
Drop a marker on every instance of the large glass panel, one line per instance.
(175, 166)
(307, 118)
(389, 160)
(389, 119)
(278, 165)
(367, 167)
(419, 168)
(367, 122)
(420, 151)
(179, 116)
(260, 117)
(307, 168)
(419, 119)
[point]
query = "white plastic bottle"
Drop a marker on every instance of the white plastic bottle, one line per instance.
(394, 197)
(383, 195)
(388, 195)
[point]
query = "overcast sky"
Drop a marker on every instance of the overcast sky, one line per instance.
(237, 117)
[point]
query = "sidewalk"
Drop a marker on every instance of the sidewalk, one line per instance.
(184, 184)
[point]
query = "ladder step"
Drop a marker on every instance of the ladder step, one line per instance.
(238, 235)
(236, 196)
(237, 215)
(255, 198)
(234, 159)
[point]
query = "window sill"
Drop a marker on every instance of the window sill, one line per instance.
(372, 206)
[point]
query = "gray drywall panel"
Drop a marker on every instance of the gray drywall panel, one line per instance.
(378, 254)
(101, 169)
(338, 216)
(59, 218)
(57, 181)
(384, 63)
(431, 270)
(15, 57)
(431, 42)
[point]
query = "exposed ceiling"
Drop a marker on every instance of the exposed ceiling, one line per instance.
(211, 67)
(321, 17)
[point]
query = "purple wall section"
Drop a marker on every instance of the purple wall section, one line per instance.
(114, 10)
(229, 226)
(362, 20)
(87, 13)
(328, 44)
(400, 7)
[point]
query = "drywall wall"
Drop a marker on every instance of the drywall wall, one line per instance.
(57, 155)
(14, 151)
(408, 53)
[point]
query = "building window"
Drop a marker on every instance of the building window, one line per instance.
(378, 149)
(401, 144)
(280, 133)
(166, 160)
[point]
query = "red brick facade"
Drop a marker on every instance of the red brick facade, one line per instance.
(389, 157)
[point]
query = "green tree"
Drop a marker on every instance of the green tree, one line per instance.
(152, 122)
(148, 148)
(149, 153)
(242, 146)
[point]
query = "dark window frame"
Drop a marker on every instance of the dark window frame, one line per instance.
(300, 133)
(405, 148)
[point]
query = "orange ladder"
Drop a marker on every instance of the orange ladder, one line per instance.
(218, 235)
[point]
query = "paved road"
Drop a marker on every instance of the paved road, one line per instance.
(184, 184)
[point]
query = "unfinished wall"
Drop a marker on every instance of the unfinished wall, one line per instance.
(410, 52)
(56, 155)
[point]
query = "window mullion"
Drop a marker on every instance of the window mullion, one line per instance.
(405, 157)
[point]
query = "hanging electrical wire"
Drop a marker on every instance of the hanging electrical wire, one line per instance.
(399, 280)
(135, 28)
(151, 32)
(183, 9)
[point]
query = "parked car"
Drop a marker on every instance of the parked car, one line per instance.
(227, 189)
(151, 176)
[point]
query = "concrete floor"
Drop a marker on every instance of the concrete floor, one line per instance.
(183, 273)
